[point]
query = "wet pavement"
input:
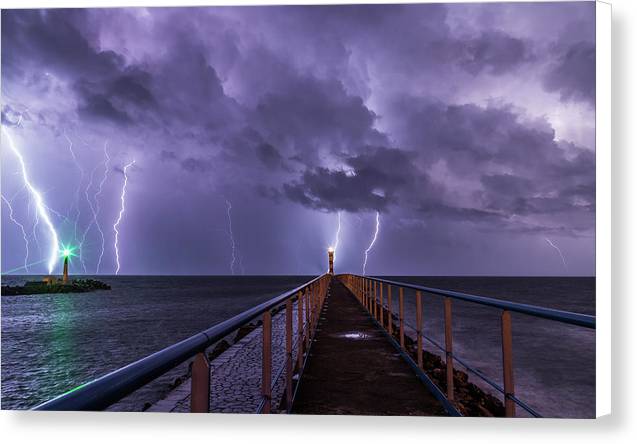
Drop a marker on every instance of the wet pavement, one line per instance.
(353, 369)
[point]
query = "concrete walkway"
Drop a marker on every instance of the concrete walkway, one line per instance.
(354, 370)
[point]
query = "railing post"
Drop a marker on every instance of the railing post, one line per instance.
(401, 317)
(200, 385)
(322, 294)
(319, 292)
(375, 300)
(361, 299)
(364, 293)
(266, 362)
(317, 304)
(310, 311)
(299, 328)
(390, 326)
(507, 364)
(356, 286)
(312, 307)
(382, 315)
(372, 298)
(419, 328)
(306, 329)
(289, 370)
(449, 348)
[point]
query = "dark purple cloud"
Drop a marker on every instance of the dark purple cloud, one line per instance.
(494, 52)
(270, 156)
(572, 75)
(373, 181)
(313, 112)
(194, 165)
(52, 40)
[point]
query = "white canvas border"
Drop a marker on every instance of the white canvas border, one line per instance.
(603, 209)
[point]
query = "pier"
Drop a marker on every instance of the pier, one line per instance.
(353, 369)
(339, 344)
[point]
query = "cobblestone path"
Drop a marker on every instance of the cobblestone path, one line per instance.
(236, 374)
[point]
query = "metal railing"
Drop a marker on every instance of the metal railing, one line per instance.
(378, 303)
(110, 388)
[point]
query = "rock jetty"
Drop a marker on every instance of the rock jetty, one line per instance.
(56, 286)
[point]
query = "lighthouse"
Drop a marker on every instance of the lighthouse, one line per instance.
(330, 255)
(65, 275)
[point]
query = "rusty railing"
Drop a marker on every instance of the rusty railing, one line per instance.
(110, 388)
(375, 295)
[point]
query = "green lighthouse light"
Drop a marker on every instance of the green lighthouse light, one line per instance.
(67, 251)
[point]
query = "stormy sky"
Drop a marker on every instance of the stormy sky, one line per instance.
(468, 127)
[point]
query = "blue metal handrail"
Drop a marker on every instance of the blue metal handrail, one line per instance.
(578, 319)
(479, 374)
(110, 388)
(566, 317)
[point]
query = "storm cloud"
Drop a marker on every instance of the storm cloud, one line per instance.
(572, 75)
(442, 117)
(371, 181)
(494, 52)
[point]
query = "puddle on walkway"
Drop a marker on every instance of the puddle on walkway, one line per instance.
(357, 335)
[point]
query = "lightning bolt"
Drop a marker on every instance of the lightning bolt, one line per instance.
(107, 159)
(334, 246)
(94, 220)
(35, 231)
(24, 233)
(338, 235)
(36, 223)
(94, 206)
(359, 219)
(371, 245)
(77, 191)
(243, 271)
(231, 235)
(39, 203)
(22, 267)
(558, 250)
(57, 213)
(121, 213)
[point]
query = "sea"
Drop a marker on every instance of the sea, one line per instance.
(55, 342)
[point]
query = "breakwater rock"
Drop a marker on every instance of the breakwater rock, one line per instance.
(74, 286)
